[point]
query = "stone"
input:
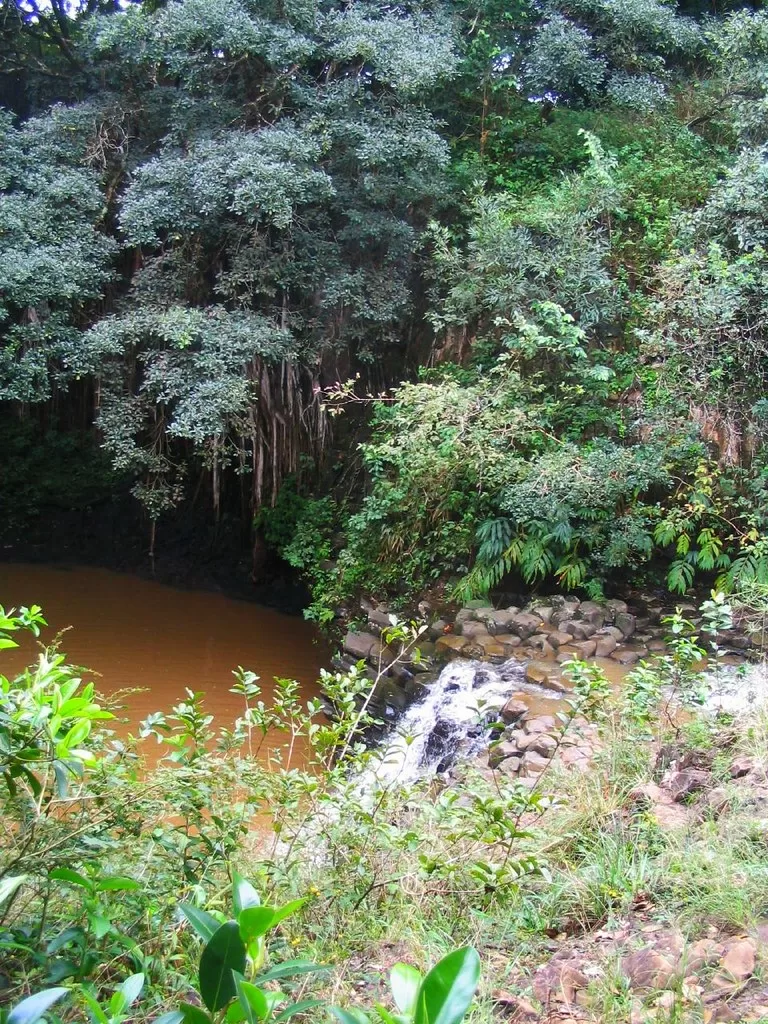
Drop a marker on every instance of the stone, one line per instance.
(359, 645)
(501, 751)
(703, 953)
(379, 618)
(478, 605)
(514, 711)
(617, 635)
(511, 765)
(437, 628)
(741, 766)
(626, 657)
(421, 656)
(470, 628)
(717, 800)
(666, 1002)
(605, 646)
(559, 981)
(533, 762)
(683, 783)
(490, 646)
(540, 643)
(560, 601)
(544, 611)
(627, 623)
(540, 743)
(739, 960)
(647, 969)
(592, 612)
(497, 622)
(558, 638)
(508, 642)
(541, 723)
(585, 648)
(523, 624)
(450, 645)
(616, 607)
(578, 630)
(514, 1008)
(564, 655)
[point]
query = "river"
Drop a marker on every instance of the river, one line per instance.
(132, 632)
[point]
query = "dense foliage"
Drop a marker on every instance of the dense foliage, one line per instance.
(548, 219)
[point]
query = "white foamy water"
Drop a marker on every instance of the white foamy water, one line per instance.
(738, 689)
(457, 709)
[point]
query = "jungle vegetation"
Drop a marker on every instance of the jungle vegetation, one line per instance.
(519, 247)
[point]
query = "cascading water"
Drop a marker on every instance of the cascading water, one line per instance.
(453, 717)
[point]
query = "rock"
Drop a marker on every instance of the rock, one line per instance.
(616, 607)
(539, 643)
(626, 623)
(704, 953)
(739, 960)
(669, 816)
(478, 605)
(647, 969)
(470, 629)
(605, 646)
(585, 648)
(534, 763)
(741, 766)
(497, 622)
(690, 780)
(626, 657)
(539, 743)
(437, 628)
(543, 675)
(578, 630)
(569, 601)
(421, 656)
(558, 638)
(523, 624)
(541, 723)
(656, 646)
(559, 981)
(379, 618)
(666, 1002)
(617, 635)
(491, 648)
(359, 645)
(450, 645)
(717, 800)
(514, 1008)
(501, 751)
(514, 711)
(544, 611)
(592, 612)
(511, 765)
(508, 642)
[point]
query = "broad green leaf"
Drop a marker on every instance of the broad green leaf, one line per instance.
(194, 1014)
(224, 953)
(117, 884)
(131, 988)
(205, 924)
(8, 886)
(172, 1017)
(243, 894)
(288, 968)
(282, 912)
(386, 1016)
(252, 1000)
(353, 1016)
(405, 982)
(74, 877)
(447, 991)
(33, 1007)
(97, 1012)
(294, 1008)
(254, 921)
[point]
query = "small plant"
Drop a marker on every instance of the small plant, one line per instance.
(443, 996)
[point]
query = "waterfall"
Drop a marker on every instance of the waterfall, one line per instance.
(454, 717)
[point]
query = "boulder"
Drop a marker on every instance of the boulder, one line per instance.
(501, 751)
(470, 628)
(605, 646)
(585, 648)
(534, 763)
(648, 969)
(508, 642)
(359, 645)
(451, 646)
(690, 780)
(496, 622)
(626, 623)
(523, 625)
(591, 611)
(739, 960)
(437, 629)
(490, 647)
(558, 638)
(539, 742)
(626, 657)
(578, 630)
(379, 618)
(539, 643)
(541, 723)
(559, 981)
(514, 711)
(615, 607)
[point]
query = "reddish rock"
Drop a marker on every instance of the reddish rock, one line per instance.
(741, 766)
(542, 723)
(514, 711)
(648, 969)
(451, 645)
(739, 960)
(559, 981)
(704, 953)
(683, 783)
(605, 646)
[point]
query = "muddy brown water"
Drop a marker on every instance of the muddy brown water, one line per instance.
(135, 633)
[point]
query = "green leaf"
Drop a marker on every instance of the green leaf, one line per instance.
(205, 924)
(194, 1014)
(33, 1007)
(353, 1016)
(172, 1017)
(294, 1008)
(405, 982)
(68, 875)
(288, 968)
(224, 953)
(131, 988)
(244, 894)
(252, 1000)
(447, 991)
(282, 912)
(117, 884)
(254, 921)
